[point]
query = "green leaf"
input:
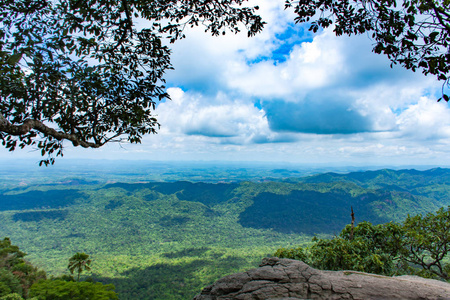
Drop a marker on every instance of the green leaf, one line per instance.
(433, 35)
(14, 59)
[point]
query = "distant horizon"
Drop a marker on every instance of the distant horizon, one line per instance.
(91, 164)
(63, 161)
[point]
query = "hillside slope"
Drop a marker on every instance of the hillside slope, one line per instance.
(167, 240)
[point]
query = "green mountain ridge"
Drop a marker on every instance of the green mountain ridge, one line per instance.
(402, 179)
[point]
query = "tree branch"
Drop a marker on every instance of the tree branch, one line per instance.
(128, 25)
(438, 11)
(128, 14)
(30, 124)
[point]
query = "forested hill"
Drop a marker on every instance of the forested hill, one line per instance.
(172, 238)
(320, 203)
(412, 181)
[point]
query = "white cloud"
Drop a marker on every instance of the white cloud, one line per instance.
(284, 96)
(426, 120)
(334, 85)
(309, 66)
(214, 117)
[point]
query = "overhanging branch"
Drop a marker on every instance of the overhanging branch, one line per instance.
(30, 124)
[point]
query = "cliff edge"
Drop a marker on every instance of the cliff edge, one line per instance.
(288, 279)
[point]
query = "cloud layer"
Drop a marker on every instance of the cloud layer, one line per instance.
(287, 89)
(288, 95)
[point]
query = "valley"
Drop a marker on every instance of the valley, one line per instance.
(168, 238)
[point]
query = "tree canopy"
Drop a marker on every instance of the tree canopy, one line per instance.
(90, 72)
(412, 33)
(419, 246)
(68, 290)
(20, 280)
(16, 274)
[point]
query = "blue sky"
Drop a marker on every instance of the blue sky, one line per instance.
(290, 96)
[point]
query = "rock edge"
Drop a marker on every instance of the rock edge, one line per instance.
(287, 279)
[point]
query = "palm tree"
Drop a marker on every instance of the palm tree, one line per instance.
(79, 262)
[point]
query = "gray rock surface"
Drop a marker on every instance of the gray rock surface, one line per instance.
(286, 279)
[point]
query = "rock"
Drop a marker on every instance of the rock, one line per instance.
(287, 279)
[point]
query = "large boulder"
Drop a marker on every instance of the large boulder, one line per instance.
(289, 279)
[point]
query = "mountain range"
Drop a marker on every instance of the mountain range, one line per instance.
(167, 240)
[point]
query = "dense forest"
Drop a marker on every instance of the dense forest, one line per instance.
(167, 240)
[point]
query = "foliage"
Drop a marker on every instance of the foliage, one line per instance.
(296, 211)
(413, 33)
(294, 253)
(10, 254)
(13, 296)
(86, 72)
(9, 283)
(140, 233)
(70, 290)
(16, 274)
(373, 248)
(388, 249)
(79, 262)
(427, 239)
(179, 278)
(20, 280)
(167, 240)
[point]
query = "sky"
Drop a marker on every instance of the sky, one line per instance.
(287, 95)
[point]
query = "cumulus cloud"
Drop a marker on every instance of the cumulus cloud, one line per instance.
(309, 66)
(201, 61)
(329, 85)
(288, 95)
(311, 91)
(426, 120)
(232, 120)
